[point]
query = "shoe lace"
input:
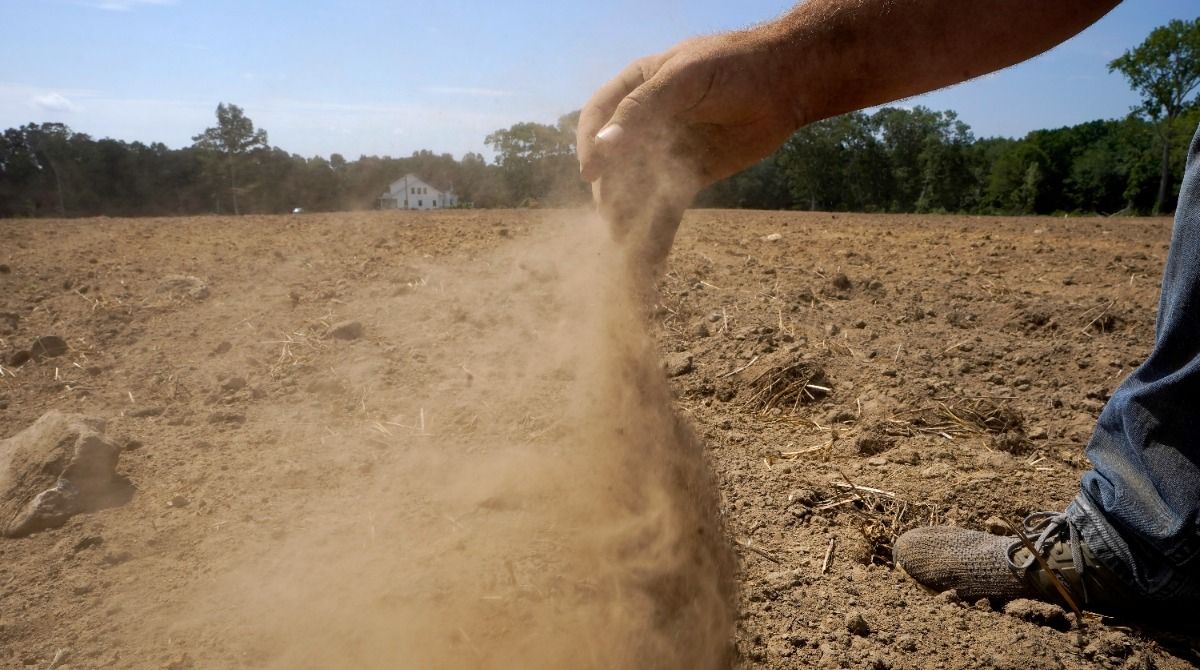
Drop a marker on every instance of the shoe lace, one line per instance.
(1043, 529)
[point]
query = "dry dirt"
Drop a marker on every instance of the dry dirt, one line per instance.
(421, 491)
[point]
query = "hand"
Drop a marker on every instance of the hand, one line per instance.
(713, 105)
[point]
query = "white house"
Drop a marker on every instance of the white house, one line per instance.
(412, 192)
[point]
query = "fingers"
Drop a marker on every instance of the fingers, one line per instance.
(597, 112)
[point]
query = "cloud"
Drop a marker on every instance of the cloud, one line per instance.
(124, 5)
(52, 102)
(466, 90)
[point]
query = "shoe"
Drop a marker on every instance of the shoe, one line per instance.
(980, 565)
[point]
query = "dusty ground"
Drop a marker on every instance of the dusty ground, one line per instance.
(948, 368)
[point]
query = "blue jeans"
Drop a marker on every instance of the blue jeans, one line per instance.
(1138, 510)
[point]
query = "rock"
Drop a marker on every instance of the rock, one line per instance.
(233, 384)
(4, 269)
(857, 625)
(677, 364)
(841, 282)
(178, 501)
(184, 286)
(222, 348)
(19, 358)
(1038, 612)
(347, 330)
(773, 237)
(48, 346)
(60, 466)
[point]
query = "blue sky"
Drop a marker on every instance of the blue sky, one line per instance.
(358, 77)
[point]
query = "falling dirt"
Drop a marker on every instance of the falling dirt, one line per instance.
(445, 440)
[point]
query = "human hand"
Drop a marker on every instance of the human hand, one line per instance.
(711, 105)
(673, 123)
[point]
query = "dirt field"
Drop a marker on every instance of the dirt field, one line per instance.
(852, 378)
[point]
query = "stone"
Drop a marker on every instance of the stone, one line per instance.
(773, 237)
(48, 346)
(347, 330)
(59, 466)
(677, 364)
(184, 286)
(19, 358)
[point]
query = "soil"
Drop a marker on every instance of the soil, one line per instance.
(271, 381)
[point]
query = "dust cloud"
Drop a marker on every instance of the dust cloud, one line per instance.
(538, 502)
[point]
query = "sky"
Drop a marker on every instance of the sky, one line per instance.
(388, 78)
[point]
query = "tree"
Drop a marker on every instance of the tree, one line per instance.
(1165, 70)
(538, 161)
(231, 139)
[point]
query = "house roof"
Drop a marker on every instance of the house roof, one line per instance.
(411, 178)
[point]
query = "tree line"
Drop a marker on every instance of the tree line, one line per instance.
(894, 159)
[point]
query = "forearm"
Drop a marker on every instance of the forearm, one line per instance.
(844, 55)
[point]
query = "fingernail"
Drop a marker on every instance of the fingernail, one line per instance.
(610, 134)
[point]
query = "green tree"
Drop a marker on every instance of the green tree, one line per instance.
(230, 141)
(538, 161)
(1165, 70)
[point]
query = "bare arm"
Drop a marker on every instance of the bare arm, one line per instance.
(851, 54)
(726, 101)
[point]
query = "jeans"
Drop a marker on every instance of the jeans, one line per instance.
(1138, 509)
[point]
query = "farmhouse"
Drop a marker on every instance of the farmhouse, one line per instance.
(412, 192)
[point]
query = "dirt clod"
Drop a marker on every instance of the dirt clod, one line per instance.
(857, 625)
(347, 330)
(48, 346)
(1038, 612)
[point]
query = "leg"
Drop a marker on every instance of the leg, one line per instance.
(1139, 507)
(1130, 540)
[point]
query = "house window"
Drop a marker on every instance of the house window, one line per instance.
(420, 203)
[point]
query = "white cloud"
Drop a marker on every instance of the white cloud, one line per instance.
(124, 5)
(52, 102)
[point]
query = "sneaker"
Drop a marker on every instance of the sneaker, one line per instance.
(980, 565)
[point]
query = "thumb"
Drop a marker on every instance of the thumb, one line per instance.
(641, 120)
